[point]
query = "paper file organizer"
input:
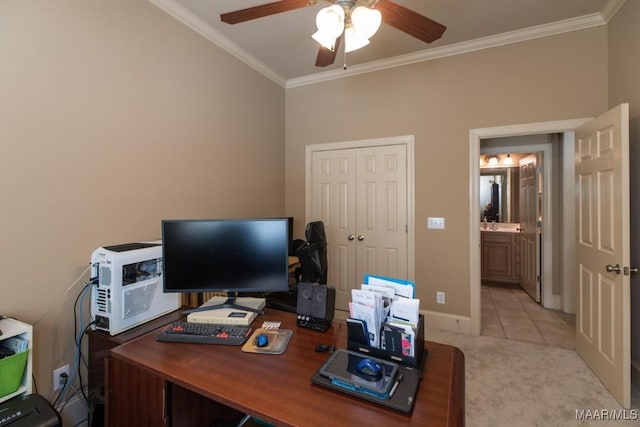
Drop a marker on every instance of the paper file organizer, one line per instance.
(420, 353)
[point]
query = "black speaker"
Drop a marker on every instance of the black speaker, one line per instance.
(305, 298)
(323, 302)
(315, 306)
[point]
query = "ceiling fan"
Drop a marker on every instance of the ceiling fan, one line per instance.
(355, 20)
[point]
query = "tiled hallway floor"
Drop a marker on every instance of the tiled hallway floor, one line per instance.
(509, 312)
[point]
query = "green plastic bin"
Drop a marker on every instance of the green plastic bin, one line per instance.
(12, 372)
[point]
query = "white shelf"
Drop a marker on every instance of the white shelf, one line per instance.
(11, 328)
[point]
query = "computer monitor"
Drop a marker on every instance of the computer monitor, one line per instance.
(225, 255)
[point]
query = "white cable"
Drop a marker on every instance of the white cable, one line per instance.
(65, 292)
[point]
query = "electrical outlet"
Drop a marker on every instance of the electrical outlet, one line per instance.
(58, 378)
(440, 297)
(437, 223)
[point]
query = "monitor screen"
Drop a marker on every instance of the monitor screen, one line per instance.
(225, 255)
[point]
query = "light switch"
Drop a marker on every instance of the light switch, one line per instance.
(437, 223)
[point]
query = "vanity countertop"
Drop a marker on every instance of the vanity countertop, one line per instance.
(502, 227)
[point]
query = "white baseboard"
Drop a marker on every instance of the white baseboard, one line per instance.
(446, 322)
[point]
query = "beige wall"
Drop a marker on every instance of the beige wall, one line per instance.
(624, 58)
(624, 86)
(439, 101)
(113, 115)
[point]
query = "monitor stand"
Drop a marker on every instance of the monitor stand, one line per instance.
(231, 302)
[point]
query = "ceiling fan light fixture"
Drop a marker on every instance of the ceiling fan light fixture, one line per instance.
(366, 21)
(353, 40)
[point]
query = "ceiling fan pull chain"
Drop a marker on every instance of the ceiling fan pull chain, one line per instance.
(344, 62)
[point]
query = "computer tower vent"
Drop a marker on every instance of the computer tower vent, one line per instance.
(102, 301)
(104, 276)
(139, 300)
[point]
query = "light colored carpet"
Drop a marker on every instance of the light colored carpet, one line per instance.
(512, 383)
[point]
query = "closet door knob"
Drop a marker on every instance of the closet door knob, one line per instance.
(360, 237)
(351, 237)
(611, 269)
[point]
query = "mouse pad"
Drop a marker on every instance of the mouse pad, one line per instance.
(277, 341)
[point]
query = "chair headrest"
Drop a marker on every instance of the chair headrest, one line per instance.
(315, 232)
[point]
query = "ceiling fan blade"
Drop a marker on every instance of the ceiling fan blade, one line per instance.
(327, 56)
(262, 10)
(410, 22)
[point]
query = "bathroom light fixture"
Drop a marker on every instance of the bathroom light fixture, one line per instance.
(492, 159)
(508, 160)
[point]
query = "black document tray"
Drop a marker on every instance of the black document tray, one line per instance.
(402, 399)
(416, 362)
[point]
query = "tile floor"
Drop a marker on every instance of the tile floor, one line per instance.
(509, 312)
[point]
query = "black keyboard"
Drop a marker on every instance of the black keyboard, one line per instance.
(205, 333)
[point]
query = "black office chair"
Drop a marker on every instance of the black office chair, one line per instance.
(313, 255)
(313, 267)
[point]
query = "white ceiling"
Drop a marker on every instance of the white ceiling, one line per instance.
(280, 46)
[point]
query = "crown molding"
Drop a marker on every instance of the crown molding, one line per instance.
(183, 15)
(198, 25)
(610, 8)
(545, 30)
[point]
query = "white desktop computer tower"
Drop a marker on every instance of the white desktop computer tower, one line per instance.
(129, 289)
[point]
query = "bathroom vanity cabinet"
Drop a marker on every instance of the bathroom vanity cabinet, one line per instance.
(500, 256)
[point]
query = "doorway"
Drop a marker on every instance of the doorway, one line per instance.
(564, 248)
(537, 263)
(512, 301)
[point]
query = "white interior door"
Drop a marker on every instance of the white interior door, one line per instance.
(602, 249)
(529, 230)
(361, 196)
(333, 201)
(381, 212)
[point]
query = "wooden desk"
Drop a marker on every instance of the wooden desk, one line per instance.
(100, 342)
(154, 383)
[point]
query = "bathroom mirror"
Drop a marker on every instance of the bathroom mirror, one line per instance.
(499, 195)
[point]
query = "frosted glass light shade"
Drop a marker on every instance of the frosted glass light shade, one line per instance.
(366, 21)
(325, 40)
(330, 23)
(330, 20)
(353, 40)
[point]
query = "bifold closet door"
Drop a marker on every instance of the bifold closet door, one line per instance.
(361, 196)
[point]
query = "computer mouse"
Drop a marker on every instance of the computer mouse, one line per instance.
(321, 348)
(370, 369)
(262, 340)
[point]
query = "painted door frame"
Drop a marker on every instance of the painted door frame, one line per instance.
(475, 135)
(408, 142)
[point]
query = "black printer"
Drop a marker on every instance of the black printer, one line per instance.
(31, 410)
